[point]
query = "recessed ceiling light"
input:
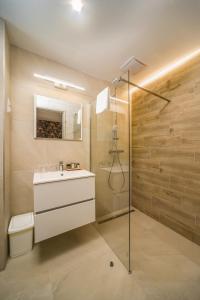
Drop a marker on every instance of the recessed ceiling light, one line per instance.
(77, 5)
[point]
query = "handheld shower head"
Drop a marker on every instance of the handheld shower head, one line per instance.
(115, 132)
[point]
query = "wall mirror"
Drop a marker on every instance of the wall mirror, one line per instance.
(57, 119)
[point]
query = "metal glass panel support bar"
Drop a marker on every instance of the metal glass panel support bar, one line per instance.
(144, 89)
(130, 170)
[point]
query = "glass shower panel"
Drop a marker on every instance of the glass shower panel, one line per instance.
(110, 161)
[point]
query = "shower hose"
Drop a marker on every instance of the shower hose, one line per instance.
(117, 158)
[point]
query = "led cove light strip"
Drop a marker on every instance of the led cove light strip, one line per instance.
(167, 69)
(57, 82)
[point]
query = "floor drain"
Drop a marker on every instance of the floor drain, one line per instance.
(111, 264)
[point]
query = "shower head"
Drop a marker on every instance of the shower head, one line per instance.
(133, 65)
(115, 132)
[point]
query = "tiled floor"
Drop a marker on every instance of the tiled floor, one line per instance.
(75, 266)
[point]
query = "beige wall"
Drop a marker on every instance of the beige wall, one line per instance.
(166, 153)
(27, 153)
(4, 145)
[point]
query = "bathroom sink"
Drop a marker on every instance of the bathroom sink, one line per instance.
(59, 176)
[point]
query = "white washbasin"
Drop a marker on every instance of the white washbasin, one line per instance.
(45, 177)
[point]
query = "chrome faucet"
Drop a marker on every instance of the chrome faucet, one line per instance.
(61, 166)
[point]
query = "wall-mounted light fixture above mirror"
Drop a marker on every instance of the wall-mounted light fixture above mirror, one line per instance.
(57, 119)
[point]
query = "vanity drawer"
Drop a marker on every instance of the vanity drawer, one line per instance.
(60, 193)
(52, 223)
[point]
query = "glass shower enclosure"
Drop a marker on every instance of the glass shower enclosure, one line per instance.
(111, 162)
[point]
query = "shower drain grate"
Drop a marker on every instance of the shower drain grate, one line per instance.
(115, 217)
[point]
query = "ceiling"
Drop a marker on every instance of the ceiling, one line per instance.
(106, 33)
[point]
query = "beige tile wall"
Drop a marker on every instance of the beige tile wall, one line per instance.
(166, 140)
(4, 145)
(27, 153)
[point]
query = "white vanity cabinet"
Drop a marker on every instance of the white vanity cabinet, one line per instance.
(62, 201)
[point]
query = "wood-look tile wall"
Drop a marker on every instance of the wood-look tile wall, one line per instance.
(166, 151)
